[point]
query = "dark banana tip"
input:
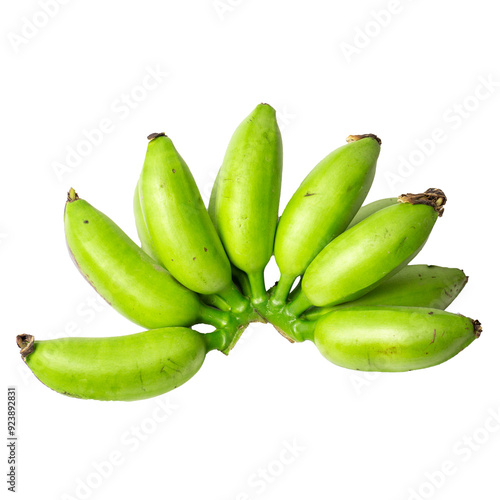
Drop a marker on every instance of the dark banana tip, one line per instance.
(478, 329)
(72, 195)
(434, 198)
(354, 138)
(154, 135)
(26, 343)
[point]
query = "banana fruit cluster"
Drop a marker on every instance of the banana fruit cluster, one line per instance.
(357, 297)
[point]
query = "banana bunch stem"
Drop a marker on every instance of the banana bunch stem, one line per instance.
(229, 326)
(242, 280)
(214, 317)
(257, 288)
(282, 290)
(286, 323)
(233, 297)
(299, 304)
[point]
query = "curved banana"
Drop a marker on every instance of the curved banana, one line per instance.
(415, 286)
(392, 339)
(213, 198)
(369, 209)
(181, 231)
(240, 278)
(147, 246)
(125, 276)
(127, 368)
(370, 252)
(245, 200)
(322, 207)
(142, 229)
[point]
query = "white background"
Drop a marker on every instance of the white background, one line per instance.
(383, 437)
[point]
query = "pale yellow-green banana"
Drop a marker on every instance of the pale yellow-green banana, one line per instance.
(123, 368)
(125, 276)
(370, 252)
(322, 207)
(142, 229)
(245, 199)
(415, 286)
(181, 231)
(370, 208)
(392, 339)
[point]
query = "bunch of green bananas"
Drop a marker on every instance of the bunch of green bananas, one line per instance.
(358, 299)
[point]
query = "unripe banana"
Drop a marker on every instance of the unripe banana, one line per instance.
(147, 246)
(142, 229)
(213, 198)
(126, 368)
(125, 276)
(392, 339)
(322, 207)
(370, 252)
(415, 286)
(369, 209)
(181, 231)
(245, 198)
(239, 277)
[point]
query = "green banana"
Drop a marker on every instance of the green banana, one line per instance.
(369, 209)
(213, 198)
(322, 207)
(142, 229)
(124, 275)
(415, 286)
(245, 199)
(239, 277)
(370, 252)
(126, 368)
(147, 246)
(392, 339)
(181, 231)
